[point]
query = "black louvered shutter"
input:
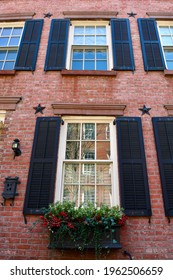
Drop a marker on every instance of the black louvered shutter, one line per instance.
(28, 50)
(41, 178)
(151, 47)
(132, 167)
(163, 131)
(122, 45)
(57, 45)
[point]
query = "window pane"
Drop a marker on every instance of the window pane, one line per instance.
(103, 131)
(164, 30)
(71, 194)
(171, 29)
(4, 41)
(89, 54)
(87, 174)
(90, 30)
(170, 65)
(72, 150)
(73, 131)
(167, 41)
(17, 31)
(77, 65)
(89, 65)
(1, 64)
(87, 195)
(100, 30)
(103, 150)
(11, 55)
(169, 54)
(78, 40)
(101, 54)
(79, 30)
(88, 131)
(71, 173)
(88, 150)
(90, 40)
(2, 55)
(101, 40)
(77, 54)
(14, 41)
(9, 65)
(101, 65)
(104, 195)
(6, 31)
(103, 176)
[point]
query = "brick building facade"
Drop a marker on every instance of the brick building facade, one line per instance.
(98, 64)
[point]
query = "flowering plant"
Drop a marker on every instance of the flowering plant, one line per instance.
(83, 226)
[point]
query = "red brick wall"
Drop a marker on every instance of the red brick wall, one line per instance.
(142, 239)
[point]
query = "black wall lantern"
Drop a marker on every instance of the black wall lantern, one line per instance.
(16, 148)
(10, 188)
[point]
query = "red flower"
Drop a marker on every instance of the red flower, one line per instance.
(121, 222)
(63, 214)
(70, 225)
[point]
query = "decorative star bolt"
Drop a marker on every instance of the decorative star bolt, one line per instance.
(48, 15)
(145, 110)
(39, 109)
(131, 14)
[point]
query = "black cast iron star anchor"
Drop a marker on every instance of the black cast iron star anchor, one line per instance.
(39, 109)
(131, 14)
(48, 15)
(145, 110)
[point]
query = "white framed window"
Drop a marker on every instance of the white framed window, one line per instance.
(2, 119)
(89, 46)
(10, 37)
(166, 39)
(87, 161)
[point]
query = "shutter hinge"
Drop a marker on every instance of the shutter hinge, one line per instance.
(62, 122)
(114, 122)
(169, 220)
(25, 220)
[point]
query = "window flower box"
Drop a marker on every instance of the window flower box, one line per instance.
(83, 227)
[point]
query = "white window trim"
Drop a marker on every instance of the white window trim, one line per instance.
(160, 24)
(113, 159)
(12, 25)
(90, 23)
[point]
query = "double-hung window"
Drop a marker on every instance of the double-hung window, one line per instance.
(88, 162)
(10, 37)
(166, 37)
(90, 46)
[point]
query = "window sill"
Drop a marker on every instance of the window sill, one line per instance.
(88, 73)
(168, 72)
(7, 72)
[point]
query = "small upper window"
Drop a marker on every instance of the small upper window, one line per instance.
(10, 36)
(89, 46)
(166, 36)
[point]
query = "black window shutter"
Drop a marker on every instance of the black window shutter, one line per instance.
(57, 45)
(42, 173)
(151, 47)
(163, 131)
(134, 189)
(122, 45)
(28, 50)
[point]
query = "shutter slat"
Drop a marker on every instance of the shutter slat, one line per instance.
(163, 131)
(150, 43)
(132, 168)
(28, 50)
(122, 45)
(57, 45)
(41, 178)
